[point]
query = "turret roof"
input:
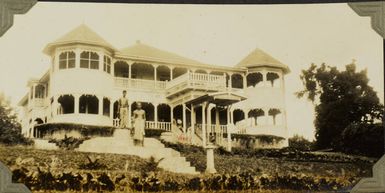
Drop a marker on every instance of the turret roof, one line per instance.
(259, 58)
(81, 34)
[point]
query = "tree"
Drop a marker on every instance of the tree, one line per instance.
(10, 129)
(341, 98)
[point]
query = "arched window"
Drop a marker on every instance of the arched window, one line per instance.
(256, 113)
(107, 64)
(121, 69)
(106, 107)
(253, 79)
(67, 60)
(273, 78)
(39, 91)
(88, 104)
(66, 104)
(89, 60)
(273, 113)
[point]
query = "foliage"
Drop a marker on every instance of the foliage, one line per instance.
(153, 133)
(363, 139)
(84, 130)
(10, 128)
(69, 143)
(234, 173)
(285, 161)
(341, 98)
(92, 181)
(93, 163)
(300, 143)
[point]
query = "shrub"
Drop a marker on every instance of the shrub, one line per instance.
(300, 143)
(84, 130)
(363, 139)
(69, 143)
(10, 128)
(93, 163)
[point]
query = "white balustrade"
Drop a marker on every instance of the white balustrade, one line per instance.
(139, 83)
(115, 122)
(166, 126)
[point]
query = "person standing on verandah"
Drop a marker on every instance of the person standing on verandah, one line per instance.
(139, 117)
(123, 110)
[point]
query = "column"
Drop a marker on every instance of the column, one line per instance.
(56, 60)
(184, 117)
(113, 67)
(210, 166)
(129, 115)
(111, 109)
(217, 128)
(101, 61)
(129, 70)
(100, 110)
(229, 127)
(192, 123)
(264, 78)
(77, 57)
(172, 118)
(171, 72)
(155, 71)
(204, 124)
(244, 81)
(156, 113)
(230, 80)
(76, 105)
(209, 117)
(266, 110)
(33, 91)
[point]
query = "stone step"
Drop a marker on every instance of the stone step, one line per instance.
(122, 143)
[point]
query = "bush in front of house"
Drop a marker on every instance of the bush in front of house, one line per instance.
(10, 128)
(300, 143)
(69, 143)
(363, 139)
(84, 130)
(85, 181)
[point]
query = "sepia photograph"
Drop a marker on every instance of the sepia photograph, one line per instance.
(129, 97)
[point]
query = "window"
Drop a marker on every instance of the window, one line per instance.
(67, 60)
(107, 64)
(89, 60)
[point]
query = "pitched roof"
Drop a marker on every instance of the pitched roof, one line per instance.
(145, 52)
(260, 58)
(81, 34)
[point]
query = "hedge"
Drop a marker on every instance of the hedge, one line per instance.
(84, 130)
(363, 139)
(163, 181)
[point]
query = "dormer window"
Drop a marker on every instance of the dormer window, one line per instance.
(107, 64)
(67, 60)
(89, 60)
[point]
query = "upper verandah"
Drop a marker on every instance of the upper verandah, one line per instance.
(145, 53)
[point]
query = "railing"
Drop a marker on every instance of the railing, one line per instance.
(178, 80)
(207, 81)
(166, 126)
(116, 122)
(197, 81)
(139, 83)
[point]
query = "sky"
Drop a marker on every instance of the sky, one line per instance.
(296, 35)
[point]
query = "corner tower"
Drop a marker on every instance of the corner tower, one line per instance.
(264, 111)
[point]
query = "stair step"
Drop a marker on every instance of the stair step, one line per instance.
(122, 143)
